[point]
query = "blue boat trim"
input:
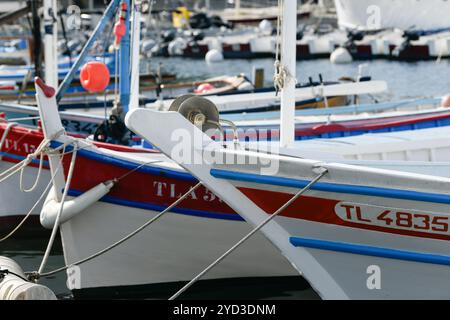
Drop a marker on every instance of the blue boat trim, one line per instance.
(20, 158)
(337, 110)
(332, 187)
(159, 208)
(370, 251)
(129, 164)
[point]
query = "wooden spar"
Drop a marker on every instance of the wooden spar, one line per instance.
(136, 39)
(288, 60)
(37, 48)
(237, 8)
(107, 17)
(124, 68)
(50, 43)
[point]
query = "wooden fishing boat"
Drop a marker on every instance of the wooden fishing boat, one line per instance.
(361, 218)
(188, 221)
(403, 15)
(156, 261)
(20, 140)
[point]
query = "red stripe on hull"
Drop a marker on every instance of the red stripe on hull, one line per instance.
(143, 187)
(320, 210)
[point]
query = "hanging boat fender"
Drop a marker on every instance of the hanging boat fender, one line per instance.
(14, 286)
(73, 206)
(120, 27)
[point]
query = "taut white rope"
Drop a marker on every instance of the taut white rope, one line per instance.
(22, 164)
(58, 216)
(251, 233)
(127, 237)
(12, 232)
(5, 133)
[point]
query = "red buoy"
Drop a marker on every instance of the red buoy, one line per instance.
(94, 76)
(119, 27)
(204, 88)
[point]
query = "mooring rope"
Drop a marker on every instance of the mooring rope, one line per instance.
(42, 148)
(17, 141)
(36, 181)
(41, 197)
(251, 233)
(6, 132)
(281, 74)
(34, 275)
(58, 216)
(24, 118)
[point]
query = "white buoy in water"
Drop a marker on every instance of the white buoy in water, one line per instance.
(246, 85)
(265, 26)
(341, 55)
(213, 55)
(176, 47)
(14, 287)
(148, 45)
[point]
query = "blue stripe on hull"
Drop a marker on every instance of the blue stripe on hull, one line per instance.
(159, 208)
(20, 158)
(135, 204)
(121, 163)
(332, 187)
(370, 251)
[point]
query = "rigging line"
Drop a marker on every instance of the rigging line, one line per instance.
(251, 233)
(127, 237)
(24, 118)
(12, 232)
(136, 169)
(105, 46)
(28, 159)
(18, 140)
(6, 132)
(22, 170)
(58, 216)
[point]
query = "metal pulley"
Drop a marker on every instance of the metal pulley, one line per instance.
(200, 111)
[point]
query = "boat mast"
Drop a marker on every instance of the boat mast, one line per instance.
(107, 17)
(237, 7)
(124, 74)
(135, 38)
(50, 43)
(37, 48)
(288, 64)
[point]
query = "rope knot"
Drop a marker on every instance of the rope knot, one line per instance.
(33, 276)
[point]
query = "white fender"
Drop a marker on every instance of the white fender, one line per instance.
(340, 56)
(14, 287)
(213, 55)
(73, 206)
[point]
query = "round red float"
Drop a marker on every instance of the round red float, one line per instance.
(204, 88)
(94, 76)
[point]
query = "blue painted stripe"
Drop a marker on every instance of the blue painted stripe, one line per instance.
(159, 208)
(20, 158)
(129, 164)
(370, 251)
(332, 187)
(338, 110)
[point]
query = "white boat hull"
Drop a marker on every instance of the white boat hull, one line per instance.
(357, 233)
(15, 204)
(174, 249)
(402, 14)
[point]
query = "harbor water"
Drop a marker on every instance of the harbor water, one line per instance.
(405, 80)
